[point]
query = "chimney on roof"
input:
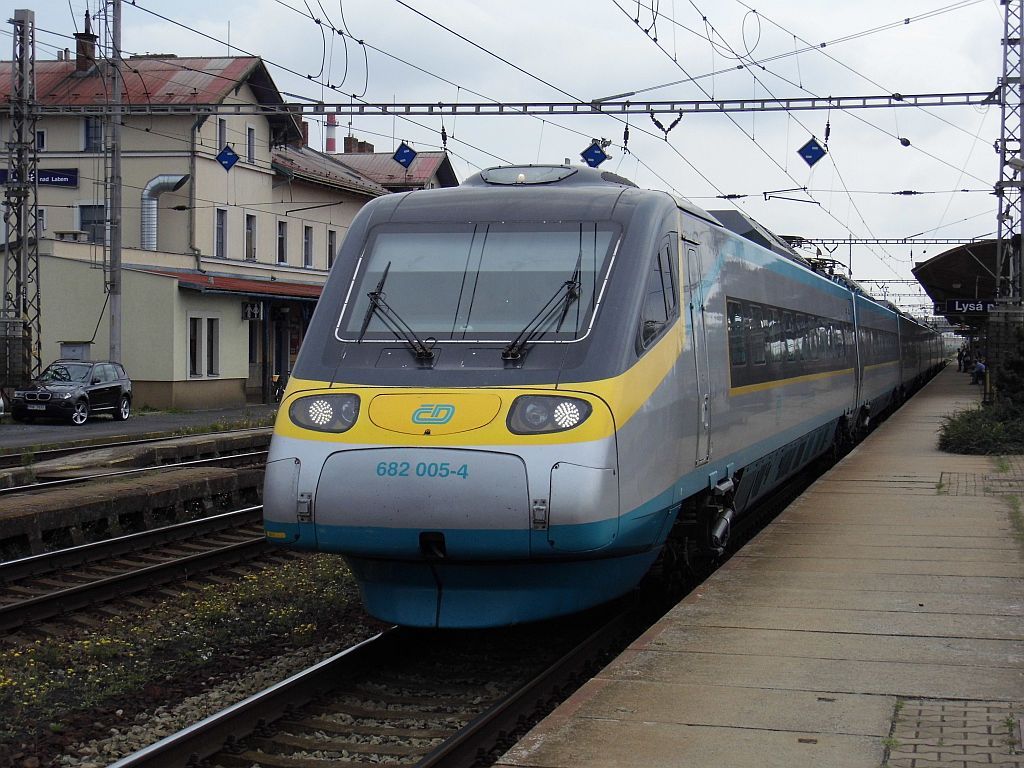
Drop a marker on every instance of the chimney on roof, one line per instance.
(330, 142)
(354, 146)
(305, 133)
(85, 47)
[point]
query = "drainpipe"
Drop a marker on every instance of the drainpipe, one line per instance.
(165, 182)
(192, 193)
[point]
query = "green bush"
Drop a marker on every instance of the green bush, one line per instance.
(995, 429)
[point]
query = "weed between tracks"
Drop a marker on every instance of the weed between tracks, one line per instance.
(129, 662)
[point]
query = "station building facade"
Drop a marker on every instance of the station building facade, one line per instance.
(222, 264)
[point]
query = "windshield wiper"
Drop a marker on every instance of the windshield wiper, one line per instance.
(567, 293)
(393, 322)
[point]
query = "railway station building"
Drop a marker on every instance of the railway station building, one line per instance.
(230, 223)
(964, 284)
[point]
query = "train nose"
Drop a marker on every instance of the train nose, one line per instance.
(416, 503)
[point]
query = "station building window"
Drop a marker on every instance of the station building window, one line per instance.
(220, 235)
(250, 237)
(307, 246)
(93, 138)
(282, 242)
(92, 219)
(203, 346)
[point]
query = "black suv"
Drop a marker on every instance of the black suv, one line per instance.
(75, 390)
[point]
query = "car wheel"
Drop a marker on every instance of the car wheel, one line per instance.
(81, 413)
(124, 409)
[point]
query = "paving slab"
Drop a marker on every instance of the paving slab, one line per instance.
(876, 622)
(940, 567)
(805, 539)
(599, 743)
(721, 706)
(753, 670)
(779, 577)
(858, 621)
(854, 551)
(786, 643)
(736, 594)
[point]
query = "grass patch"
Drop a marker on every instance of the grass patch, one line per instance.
(995, 429)
(250, 422)
(1016, 518)
(45, 683)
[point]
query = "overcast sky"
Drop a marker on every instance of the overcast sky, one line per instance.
(596, 48)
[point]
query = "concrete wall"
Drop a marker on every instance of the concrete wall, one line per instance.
(233, 333)
(203, 395)
(155, 332)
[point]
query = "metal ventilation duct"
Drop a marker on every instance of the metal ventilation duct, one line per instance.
(166, 182)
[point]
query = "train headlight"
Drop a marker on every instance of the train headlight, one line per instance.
(325, 413)
(537, 414)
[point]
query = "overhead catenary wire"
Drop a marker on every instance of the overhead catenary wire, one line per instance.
(284, 68)
(640, 145)
(750, 64)
(756, 144)
(179, 64)
(835, 166)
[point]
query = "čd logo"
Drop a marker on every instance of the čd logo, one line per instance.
(429, 413)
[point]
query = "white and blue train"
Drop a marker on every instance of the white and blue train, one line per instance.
(515, 394)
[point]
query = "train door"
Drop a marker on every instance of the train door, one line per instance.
(858, 358)
(701, 364)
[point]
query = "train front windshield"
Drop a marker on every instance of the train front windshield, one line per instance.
(479, 282)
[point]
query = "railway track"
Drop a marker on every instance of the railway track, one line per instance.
(426, 698)
(41, 587)
(404, 697)
(247, 458)
(17, 459)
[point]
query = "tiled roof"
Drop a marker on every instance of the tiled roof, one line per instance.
(166, 79)
(318, 167)
(162, 79)
(388, 172)
(207, 283)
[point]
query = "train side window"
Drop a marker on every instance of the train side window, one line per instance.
(757, 335)
(737, 333)
(660, 298)
(790, 331)
(776, 337)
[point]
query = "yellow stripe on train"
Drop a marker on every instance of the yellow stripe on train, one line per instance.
(389, 414)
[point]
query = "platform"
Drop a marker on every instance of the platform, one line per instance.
(878, 621)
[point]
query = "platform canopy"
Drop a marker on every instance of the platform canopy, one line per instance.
(961, 282)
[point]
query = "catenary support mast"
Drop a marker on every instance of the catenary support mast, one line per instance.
(20, 315)
(1011, 162)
